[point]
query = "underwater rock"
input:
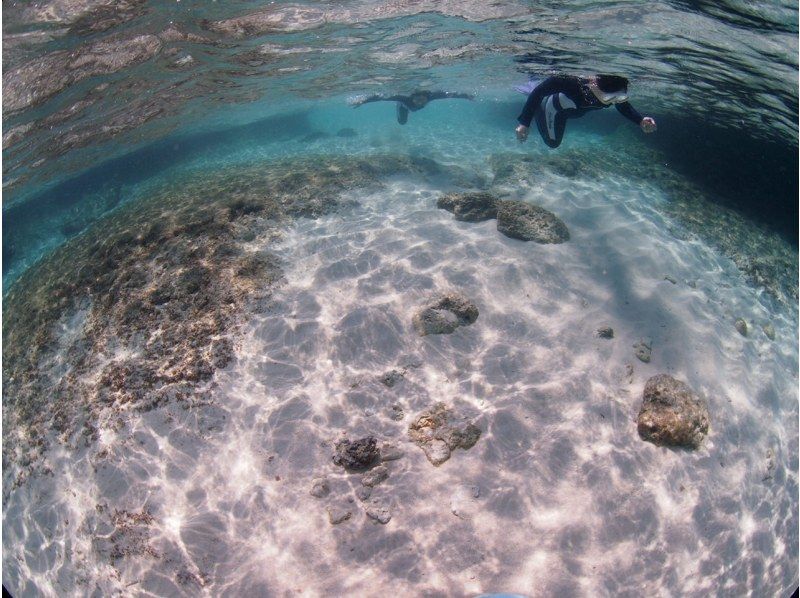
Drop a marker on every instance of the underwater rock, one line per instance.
(375, 476)
(605, 332)
(436, 451)
(741, 326)
(363, 493)
(389, 452)
(672, 414)
(444, 315)
(320, 488)
(337, 515)
(379, 512)
(643, 350)
(769, 330)
(397, 412)
(469, 207)
(438, 432)
(358, 454)
(770, 465)
(527, 222)
(392, 377)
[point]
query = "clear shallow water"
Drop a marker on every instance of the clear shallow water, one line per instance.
(230, 269)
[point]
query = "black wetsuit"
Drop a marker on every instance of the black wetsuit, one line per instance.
(406, 103)
(558, 98)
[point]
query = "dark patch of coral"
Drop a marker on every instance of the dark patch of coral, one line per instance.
(358, 454)
(392, 377)
(144, 306)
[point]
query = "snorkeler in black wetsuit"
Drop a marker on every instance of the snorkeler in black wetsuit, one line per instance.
(555, 99)
(416, 101)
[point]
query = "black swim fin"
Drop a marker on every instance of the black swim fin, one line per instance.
(402, 114)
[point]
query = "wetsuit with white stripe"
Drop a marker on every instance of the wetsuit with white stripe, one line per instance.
(558, 98)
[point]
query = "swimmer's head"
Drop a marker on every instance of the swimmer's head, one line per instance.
(610, 89)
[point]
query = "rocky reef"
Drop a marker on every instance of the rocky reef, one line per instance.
(143, 307)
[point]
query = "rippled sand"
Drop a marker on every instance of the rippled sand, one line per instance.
(209, 493)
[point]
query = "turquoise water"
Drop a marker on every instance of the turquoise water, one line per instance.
(214, 266)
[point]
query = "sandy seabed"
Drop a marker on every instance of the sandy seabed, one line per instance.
(207, 490)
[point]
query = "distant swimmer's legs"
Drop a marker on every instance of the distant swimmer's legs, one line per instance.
(551, 122)
(402, 114)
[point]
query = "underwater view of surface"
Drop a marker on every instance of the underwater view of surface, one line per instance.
(274, 326)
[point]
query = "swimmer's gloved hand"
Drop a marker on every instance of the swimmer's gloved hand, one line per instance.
(648, 124)
(522, 133)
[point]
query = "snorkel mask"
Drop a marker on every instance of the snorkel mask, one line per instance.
(609, 89)
(614, 97)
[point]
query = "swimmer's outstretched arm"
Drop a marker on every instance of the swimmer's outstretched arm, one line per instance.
(444, 95)
(356, 101)
(647, 124)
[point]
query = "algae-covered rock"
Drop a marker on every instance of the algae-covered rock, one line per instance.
(337, 515)
(672, 414)
(438, 432)
(469, 207)
(375, 476)
(741, 326)
(605, 332)
(379, 512)
(527, 222)
(357, 454)
(643, 350)
(320, 488)
(444, 315)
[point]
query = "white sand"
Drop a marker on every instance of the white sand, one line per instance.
(559, 497)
